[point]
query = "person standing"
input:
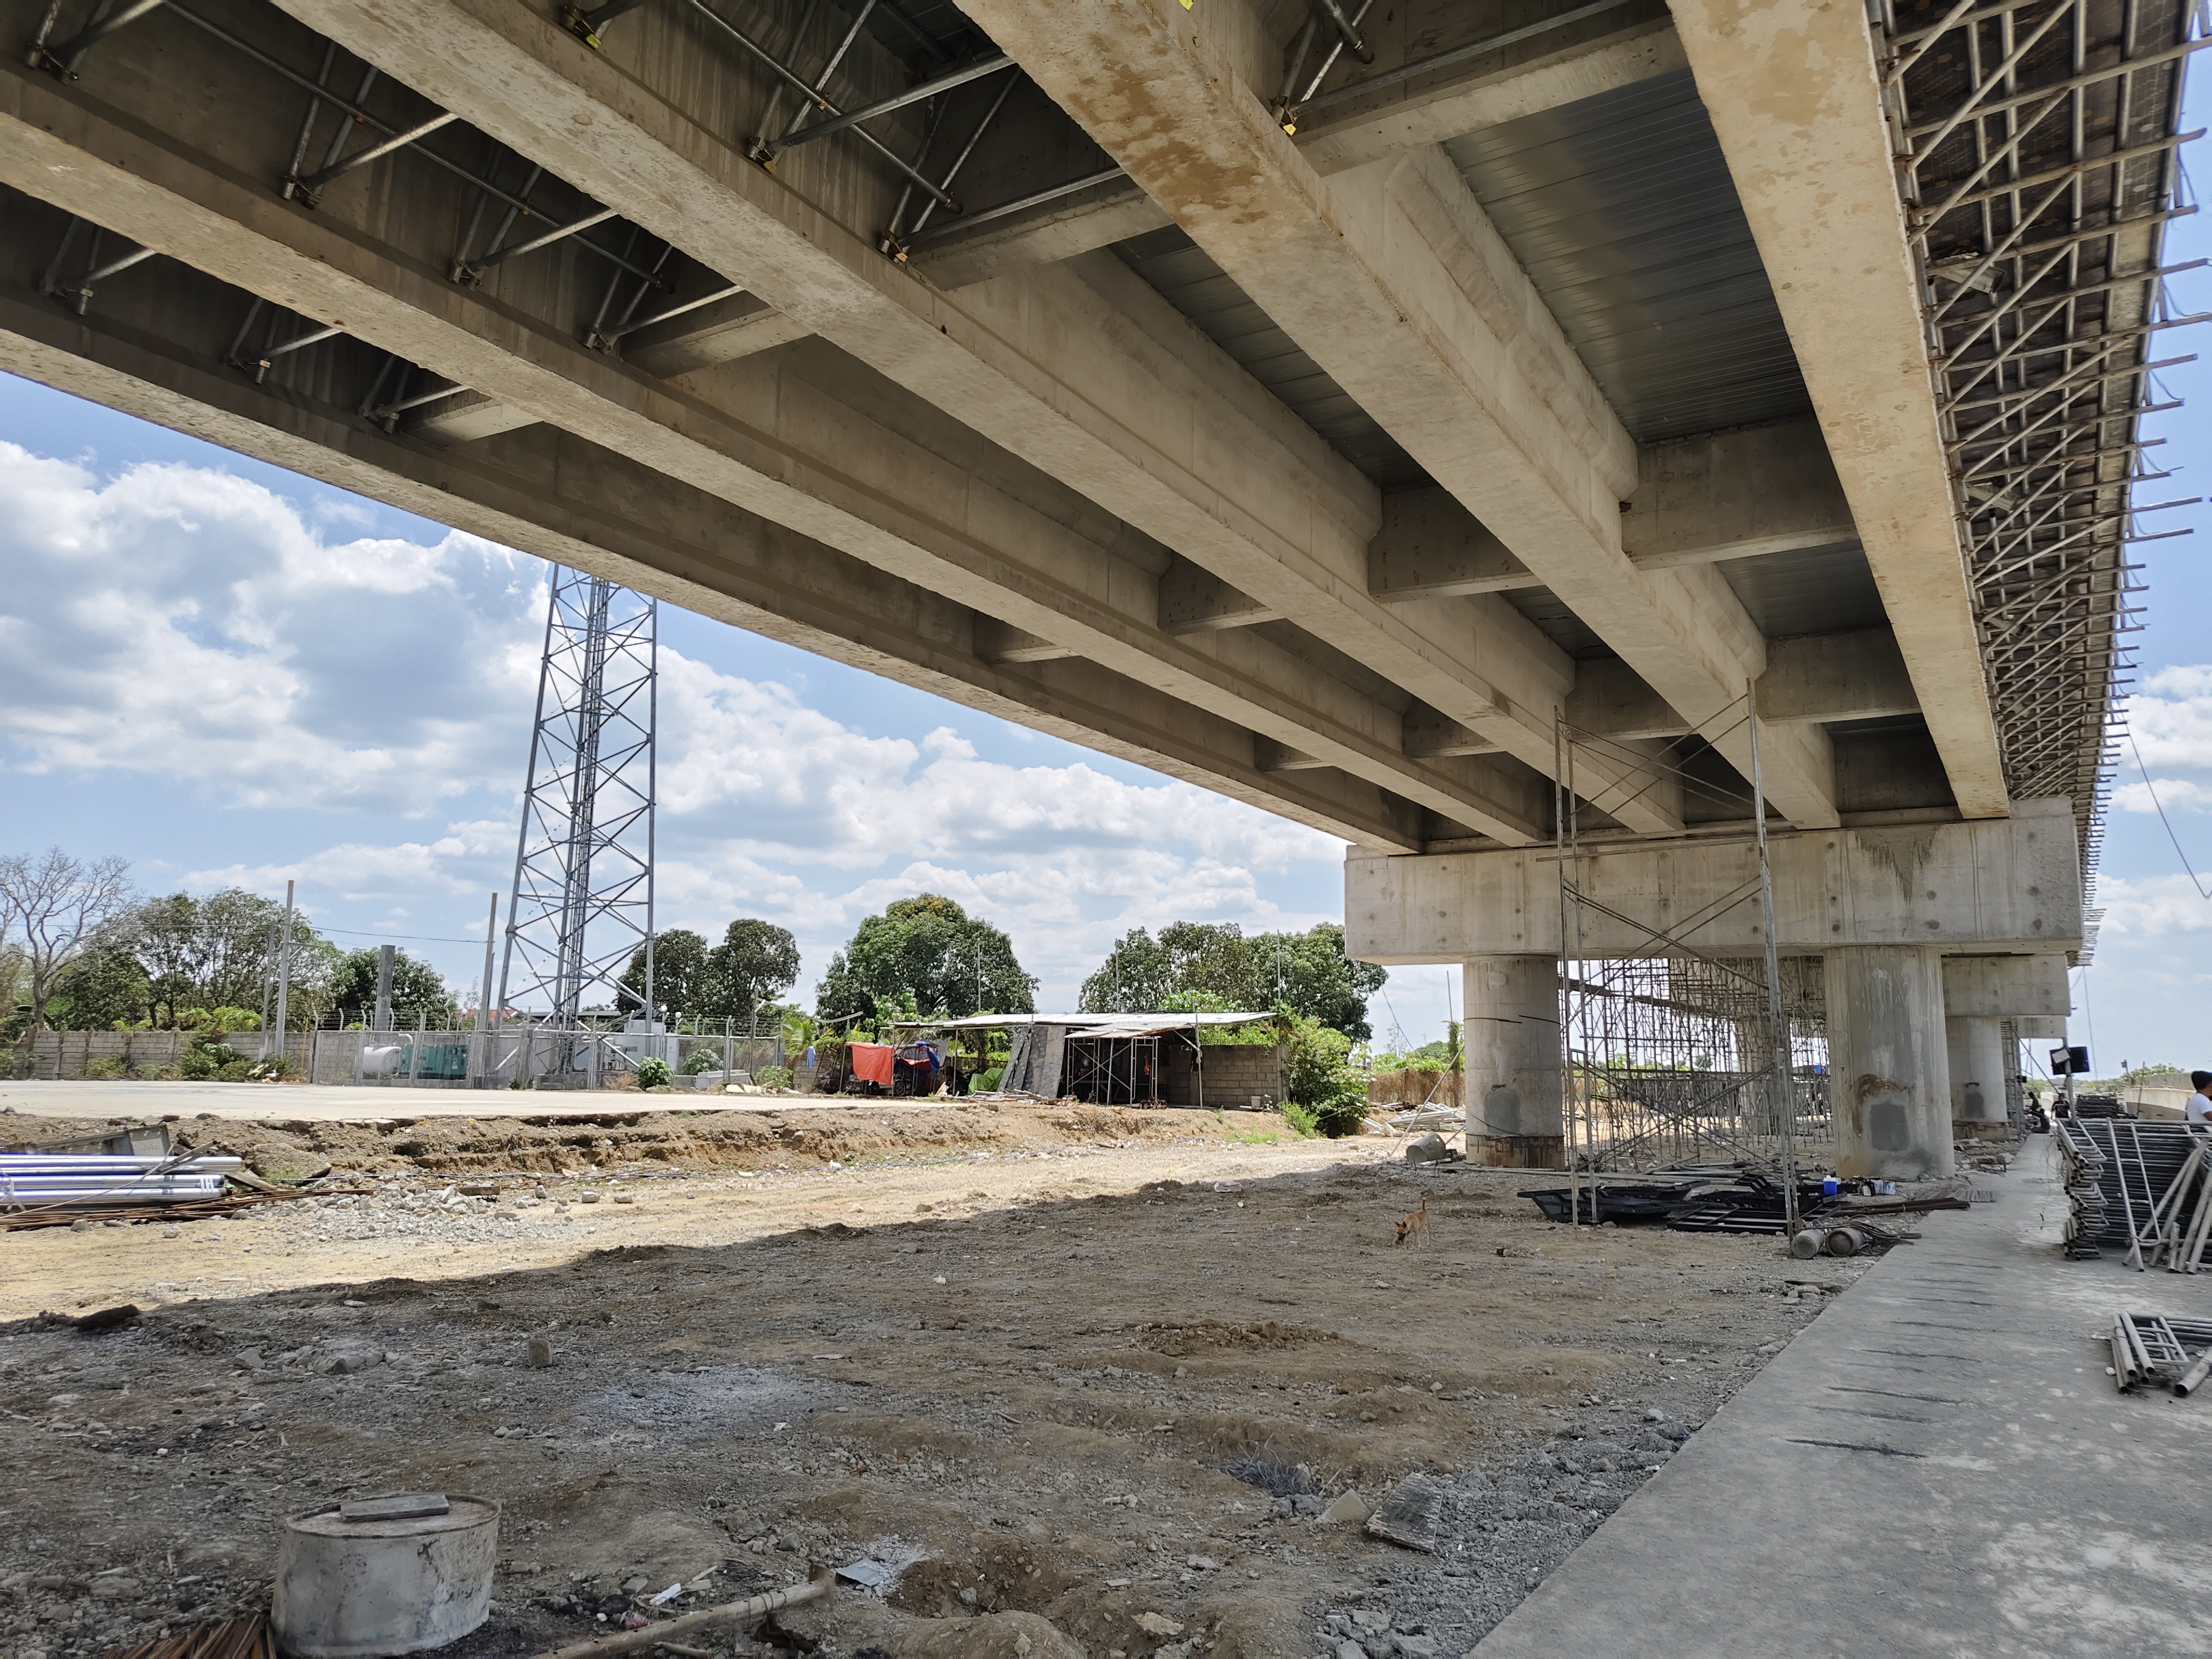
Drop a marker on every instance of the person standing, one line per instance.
(2198, 1108)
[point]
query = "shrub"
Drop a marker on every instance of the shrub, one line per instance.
(774, 1077)
(108, 1068)
(233, 1071)
(702, 1059)
(652, 1073)
(1323, 1080)
(203, 1061)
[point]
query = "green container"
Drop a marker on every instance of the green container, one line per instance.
(444, 1061)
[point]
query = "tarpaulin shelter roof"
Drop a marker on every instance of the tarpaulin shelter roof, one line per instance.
(1088, 1025)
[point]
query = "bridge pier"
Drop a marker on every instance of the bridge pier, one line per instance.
(1980, 1065)
(1515, 1118)
(1889, 1069)
(1916, 925)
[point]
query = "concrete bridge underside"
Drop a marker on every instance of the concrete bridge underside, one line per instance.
(1359, 421)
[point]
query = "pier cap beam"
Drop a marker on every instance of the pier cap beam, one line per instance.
(1993, 884)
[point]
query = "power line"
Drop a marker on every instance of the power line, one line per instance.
(2162, 818)
(412, 938)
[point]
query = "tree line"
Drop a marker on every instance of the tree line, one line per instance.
(926, 958)
(81, 948)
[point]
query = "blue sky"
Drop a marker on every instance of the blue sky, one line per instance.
(229, 674)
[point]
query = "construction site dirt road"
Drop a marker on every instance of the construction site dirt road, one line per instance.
(1081, 1381)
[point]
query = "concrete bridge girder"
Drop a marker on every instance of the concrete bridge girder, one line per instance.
(1391, 277)
(1135, 409)
(771, 439)
(1048, 404)
(569, 501)
(1522, 671)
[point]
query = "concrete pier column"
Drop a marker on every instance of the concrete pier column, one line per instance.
(1514, 1116)
(1889, 1073)
(1980, 1061)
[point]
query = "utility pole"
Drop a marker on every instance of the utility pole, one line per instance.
(385, 953)
(268, 985)
(284, 968)
(486, 1013)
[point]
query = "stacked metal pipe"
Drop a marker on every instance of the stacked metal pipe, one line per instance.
(34, 1180)
(2160, 1348)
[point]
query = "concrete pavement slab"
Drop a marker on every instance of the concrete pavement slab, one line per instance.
(1938, 1464)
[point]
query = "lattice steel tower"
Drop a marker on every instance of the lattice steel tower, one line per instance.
(583, 869)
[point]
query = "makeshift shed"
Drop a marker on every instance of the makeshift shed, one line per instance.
(1120, 1060)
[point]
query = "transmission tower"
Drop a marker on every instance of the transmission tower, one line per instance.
(583, 869)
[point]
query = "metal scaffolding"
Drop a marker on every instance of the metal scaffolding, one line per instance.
(583, 868)
(2037, 148)
(1685, 1052)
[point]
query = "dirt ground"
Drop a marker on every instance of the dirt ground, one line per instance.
(1080, 1378)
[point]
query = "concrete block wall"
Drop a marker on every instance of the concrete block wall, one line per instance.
(1234, 1074)
(66, 1053)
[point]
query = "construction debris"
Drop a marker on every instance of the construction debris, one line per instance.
(1410, 1514)
(1446, 1120)
(1739, 1198)
(101, 1215)
(28, 1179)
(755, 1607)
(1697, 1198)
(246, 1637)
(51, 1187)
(2160, 1348)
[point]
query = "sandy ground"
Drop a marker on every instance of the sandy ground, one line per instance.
(1080, 1377)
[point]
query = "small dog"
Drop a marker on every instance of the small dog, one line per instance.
(1413, 1226)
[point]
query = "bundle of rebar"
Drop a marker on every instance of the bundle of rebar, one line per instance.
(2143, 1188)
(245, 1637)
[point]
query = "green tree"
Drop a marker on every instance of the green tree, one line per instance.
(103, 989)
(218, 951)
(756, 963)
(419, 995)
(1328, 1091)
(925, 956)
(1307, 974)
(679, 976)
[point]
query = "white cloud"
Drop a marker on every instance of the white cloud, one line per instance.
(2176, 795)
(2149, 906)
(185, 623)
(2171, 721)
(181, 623)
